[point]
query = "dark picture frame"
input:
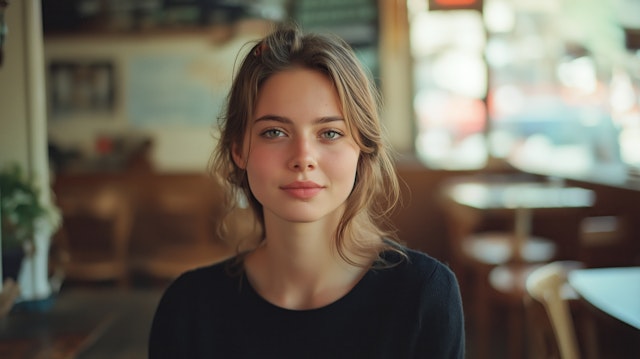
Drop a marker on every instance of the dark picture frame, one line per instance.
(81, 87)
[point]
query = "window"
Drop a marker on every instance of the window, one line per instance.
(450, 80)
(546, 85)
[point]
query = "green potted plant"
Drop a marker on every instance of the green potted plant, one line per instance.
(20, 210)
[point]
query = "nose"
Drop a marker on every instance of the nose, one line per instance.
(303, 157)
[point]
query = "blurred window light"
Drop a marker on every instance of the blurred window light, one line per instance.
(499, 16)
(450, 79)
(498, 52)
(433, 31)
(626, 12)
(547, 85)
(622, 94)
(579, 74)
(461, 73)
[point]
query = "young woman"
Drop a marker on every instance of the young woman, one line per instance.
(301, 140)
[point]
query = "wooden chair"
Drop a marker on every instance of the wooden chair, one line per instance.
(477, 248)
(504, 290)
(175, 229)
(94, 237)
(607, 241)
(487, 238)
(548, 286)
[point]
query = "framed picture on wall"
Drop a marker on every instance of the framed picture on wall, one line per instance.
(81, 87)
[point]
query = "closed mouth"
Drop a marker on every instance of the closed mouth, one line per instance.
(302, 190)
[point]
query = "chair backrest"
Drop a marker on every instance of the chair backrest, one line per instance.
(106, 204)
(95, 233)
(547, 286)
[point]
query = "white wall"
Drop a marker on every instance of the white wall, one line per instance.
(180, 143)
(14, 127)
(23, 122)
(22, 97)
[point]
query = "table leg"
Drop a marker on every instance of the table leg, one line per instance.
(522, 231)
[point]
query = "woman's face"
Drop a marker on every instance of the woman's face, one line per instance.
(299, 156)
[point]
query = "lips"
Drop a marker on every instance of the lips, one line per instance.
(302, 189)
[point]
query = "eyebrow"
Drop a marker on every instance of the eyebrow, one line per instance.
(287, 120)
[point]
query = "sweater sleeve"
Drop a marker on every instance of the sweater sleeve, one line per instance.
(441, 333)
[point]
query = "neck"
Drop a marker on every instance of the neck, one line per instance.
(298, 267)
(301, 248)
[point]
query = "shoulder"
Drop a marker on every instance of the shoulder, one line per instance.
(430, 269)
(426, 300)
(419, 267)
(222, 270)
(189, 306)
(202, 284)
(202, 291)
(436, 295)
(439, 285)
(418, 277)
(424, 280)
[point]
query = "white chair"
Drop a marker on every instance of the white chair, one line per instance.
(548, 286)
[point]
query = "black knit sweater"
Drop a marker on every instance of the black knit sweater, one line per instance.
(411, 310)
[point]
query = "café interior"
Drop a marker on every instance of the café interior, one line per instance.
(515, 124)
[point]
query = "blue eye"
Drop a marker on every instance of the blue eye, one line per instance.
(272, 133)
(331, 134)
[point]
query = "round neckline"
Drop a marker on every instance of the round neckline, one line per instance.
(329, 306)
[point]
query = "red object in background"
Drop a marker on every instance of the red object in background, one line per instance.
(455, 5)
(104, 145)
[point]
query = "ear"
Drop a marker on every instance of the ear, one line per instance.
(238, 156)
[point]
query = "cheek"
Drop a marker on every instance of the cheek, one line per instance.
(260, 165)
(344, 165)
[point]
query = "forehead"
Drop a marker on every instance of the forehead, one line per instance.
(298, 92)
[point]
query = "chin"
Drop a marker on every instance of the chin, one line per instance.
(306, 215)
(299, 218)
